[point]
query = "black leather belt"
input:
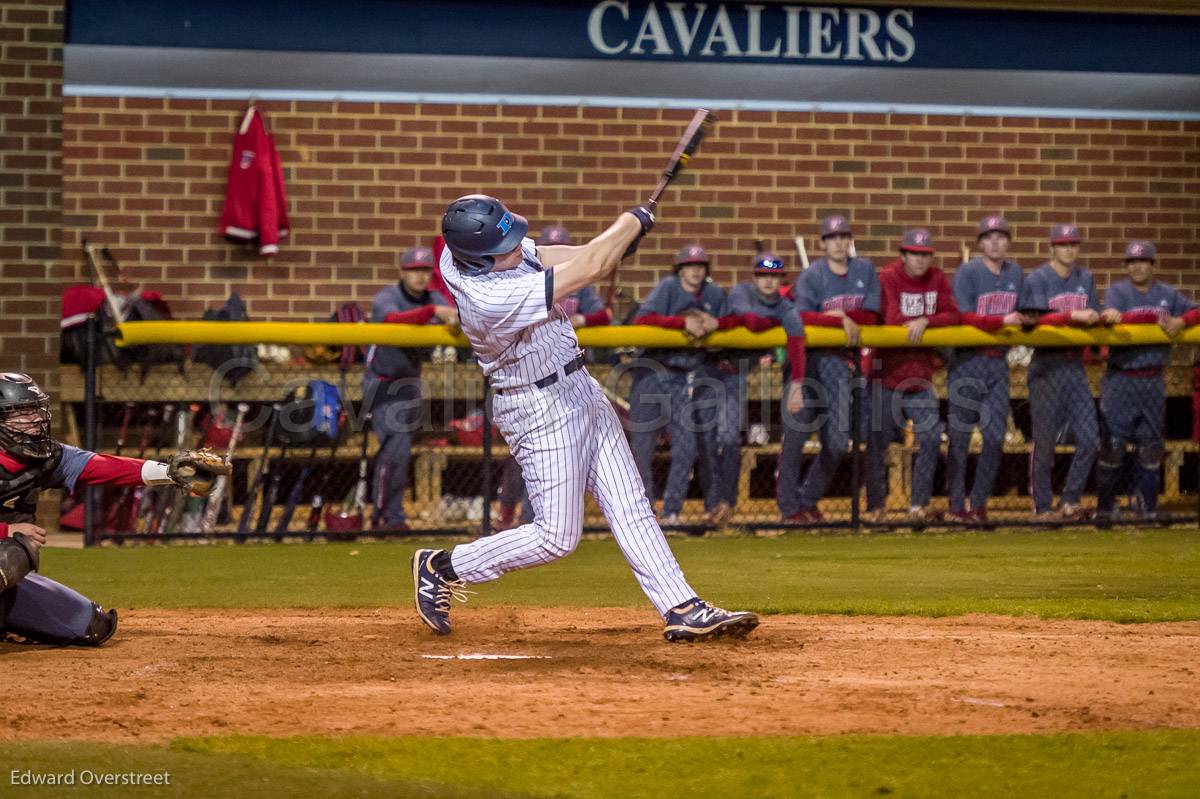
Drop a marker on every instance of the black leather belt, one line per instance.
(551, 379)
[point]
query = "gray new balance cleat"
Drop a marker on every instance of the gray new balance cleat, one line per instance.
(433, 591)
(699, 621)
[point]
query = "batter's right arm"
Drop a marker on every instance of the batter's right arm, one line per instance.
(555, 254)
(600, 255)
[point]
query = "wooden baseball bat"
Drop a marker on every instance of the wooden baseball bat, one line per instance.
(263, 473)
(802, 251)
(216, 499)
(697, 129)
(110, 299)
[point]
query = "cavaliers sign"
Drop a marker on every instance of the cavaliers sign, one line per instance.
(752, 31)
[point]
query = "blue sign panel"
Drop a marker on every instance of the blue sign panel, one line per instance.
(912, 37)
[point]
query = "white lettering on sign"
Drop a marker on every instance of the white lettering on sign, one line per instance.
(752, 30)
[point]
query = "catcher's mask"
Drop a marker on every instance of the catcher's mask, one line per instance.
(24, 417)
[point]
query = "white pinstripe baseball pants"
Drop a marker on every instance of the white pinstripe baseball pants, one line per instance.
(568, 439)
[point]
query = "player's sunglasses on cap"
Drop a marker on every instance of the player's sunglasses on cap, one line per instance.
(768, 264)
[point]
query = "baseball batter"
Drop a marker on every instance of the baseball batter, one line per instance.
(835, 291)
(559, 424)
(1059, 396)
(986, 290)
(1133, 394)
(585, 309)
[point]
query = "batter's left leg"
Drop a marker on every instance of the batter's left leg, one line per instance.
(550, 433)
(614, 483)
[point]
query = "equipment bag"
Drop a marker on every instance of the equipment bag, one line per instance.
(309, 415)
(233, 361)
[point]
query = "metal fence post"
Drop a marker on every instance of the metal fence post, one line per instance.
(487, 458)
(90, 436)
(856, 471)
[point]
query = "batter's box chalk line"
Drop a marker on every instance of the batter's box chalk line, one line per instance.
(483, 656)
(970, 700)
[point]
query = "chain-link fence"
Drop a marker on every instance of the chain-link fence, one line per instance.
(323, 446)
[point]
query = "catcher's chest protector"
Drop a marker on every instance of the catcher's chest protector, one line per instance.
(19, 492)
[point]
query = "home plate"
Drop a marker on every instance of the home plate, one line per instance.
(481, 656)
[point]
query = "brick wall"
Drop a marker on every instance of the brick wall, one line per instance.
(366, 180)
(31, 185)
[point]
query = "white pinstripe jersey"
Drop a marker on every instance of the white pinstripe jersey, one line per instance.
(516, 339)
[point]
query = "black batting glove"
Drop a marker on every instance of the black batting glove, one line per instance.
(646, 217)
(643, 215)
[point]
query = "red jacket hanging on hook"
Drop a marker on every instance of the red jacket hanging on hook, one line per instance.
(255, 205)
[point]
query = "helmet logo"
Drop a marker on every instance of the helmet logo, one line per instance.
(505, 223)
(1136, 249)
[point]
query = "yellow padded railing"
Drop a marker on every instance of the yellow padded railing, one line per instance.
(339, 334)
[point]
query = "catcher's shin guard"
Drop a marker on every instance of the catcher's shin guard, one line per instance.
(43, 611)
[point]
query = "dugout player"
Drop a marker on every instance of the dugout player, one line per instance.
(677, 383)
(585, 309)
(33, 607)
(835, 291)
(759, 306)
(392, 382)
(986, 290)
(916, 294)
(1133, 393)
(1064, 293)
(556, 418)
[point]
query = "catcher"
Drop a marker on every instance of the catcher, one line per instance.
(33, 607)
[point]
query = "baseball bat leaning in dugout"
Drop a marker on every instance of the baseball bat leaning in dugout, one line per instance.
(802, 251)
(212, 508)
(110, 299)
(702, 122)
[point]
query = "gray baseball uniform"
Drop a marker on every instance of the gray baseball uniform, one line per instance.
(1059, 395)
(977, 381)
(678, 381)
(827, 388)
(1133, 397)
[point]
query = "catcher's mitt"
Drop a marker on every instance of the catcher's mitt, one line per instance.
(195, 471)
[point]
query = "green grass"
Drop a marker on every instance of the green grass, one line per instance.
(1149, 764)
(1117, 575)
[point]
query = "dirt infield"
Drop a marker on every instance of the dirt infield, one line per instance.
(600, 672)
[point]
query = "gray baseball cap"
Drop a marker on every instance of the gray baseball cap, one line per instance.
(835, 225)
(993, 224)
(1140, 250)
